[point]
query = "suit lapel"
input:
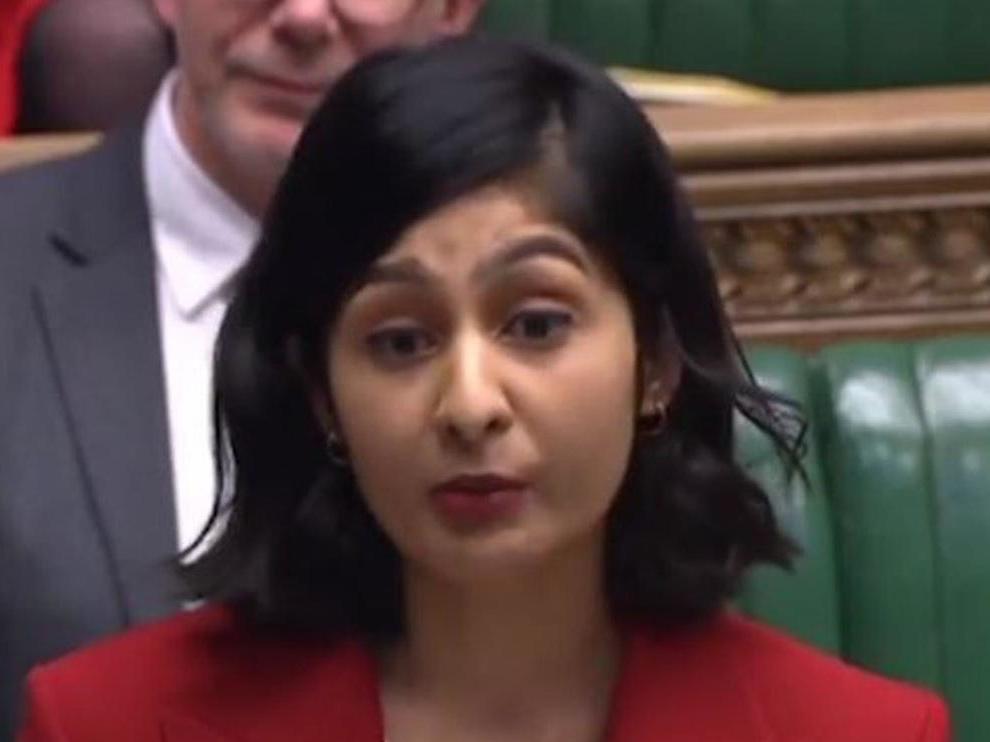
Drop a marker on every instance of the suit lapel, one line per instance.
(98, 305)
(301, 690)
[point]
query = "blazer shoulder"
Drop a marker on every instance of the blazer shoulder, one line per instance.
(204, 644)
(768, 685)
(38, 199)
(209, 664)
(805, 690)
(39, 184)
(30, 199)
(34, 192)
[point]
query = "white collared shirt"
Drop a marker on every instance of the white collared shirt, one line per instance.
(201, 238)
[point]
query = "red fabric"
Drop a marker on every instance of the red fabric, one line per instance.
(205, 677)
(15, 18)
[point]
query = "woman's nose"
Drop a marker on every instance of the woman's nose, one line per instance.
(472, 405)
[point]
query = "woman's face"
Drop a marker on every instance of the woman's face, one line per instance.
(484, 383)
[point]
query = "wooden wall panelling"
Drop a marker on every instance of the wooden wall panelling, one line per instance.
(844, 216)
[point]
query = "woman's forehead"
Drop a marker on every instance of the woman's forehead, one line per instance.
(473, 227)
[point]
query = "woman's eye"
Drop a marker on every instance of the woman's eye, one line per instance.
(398, 344)
(539, 326)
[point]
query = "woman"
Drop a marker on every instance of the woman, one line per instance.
(475, 396)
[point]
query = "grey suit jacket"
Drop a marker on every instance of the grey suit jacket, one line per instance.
(86, 513)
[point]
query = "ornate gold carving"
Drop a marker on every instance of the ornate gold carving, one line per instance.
(825, 257)
(850, 264)
(892, 252)
(960, 253)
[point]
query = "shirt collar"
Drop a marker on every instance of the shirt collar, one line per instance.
(201, 235)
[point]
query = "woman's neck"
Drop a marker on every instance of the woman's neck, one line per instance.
(522, 656)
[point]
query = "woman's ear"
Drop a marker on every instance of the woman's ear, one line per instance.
(660, 379)
(336, 449)
(653, 399)
(320, 405)
(661, 372)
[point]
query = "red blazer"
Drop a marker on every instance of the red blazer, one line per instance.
(207, 677)
(15, 20)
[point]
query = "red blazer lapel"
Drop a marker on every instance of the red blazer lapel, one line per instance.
(189, 730)
(300, 692)
(684, 685)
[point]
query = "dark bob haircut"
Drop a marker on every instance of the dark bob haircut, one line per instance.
(399, 136)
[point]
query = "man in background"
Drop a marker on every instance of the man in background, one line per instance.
(115, 270)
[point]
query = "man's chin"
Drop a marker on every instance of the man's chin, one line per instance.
(267, 142)
(253, 156)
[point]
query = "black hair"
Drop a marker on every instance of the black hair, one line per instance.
(400, 135)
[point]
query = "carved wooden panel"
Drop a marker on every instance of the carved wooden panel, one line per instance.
(909, 272)
(841, 216)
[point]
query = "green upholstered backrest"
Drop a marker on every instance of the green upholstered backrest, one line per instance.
(895, 518)
(805, 602)
(875, 452)
(955, 401)
(782, 44)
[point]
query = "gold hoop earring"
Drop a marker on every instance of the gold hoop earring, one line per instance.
(654, 422)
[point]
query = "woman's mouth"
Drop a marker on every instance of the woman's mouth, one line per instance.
(477, 500)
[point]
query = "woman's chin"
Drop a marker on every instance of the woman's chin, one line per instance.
(486, 561)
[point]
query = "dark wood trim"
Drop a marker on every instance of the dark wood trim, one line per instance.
(842, 127)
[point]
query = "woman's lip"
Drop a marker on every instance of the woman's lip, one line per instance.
(472, 508)
(480, 484)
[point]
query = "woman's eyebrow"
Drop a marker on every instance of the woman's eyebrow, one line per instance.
(400, 270)
(527, 248)
(410, 270)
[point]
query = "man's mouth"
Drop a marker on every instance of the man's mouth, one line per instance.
(292, 85)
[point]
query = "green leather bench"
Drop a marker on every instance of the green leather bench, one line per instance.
(895, 515)
(782, 44)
